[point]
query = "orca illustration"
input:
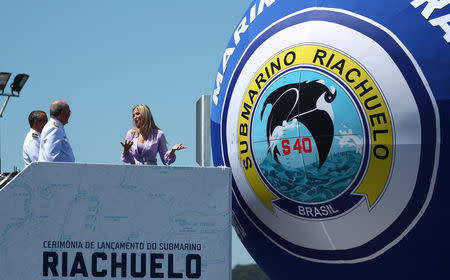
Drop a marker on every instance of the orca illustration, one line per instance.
(307, 102)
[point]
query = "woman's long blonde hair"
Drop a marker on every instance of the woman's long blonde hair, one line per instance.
(147, 119)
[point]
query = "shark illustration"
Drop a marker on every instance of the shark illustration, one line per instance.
(310, 104)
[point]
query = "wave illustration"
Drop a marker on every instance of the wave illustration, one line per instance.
(310, 184)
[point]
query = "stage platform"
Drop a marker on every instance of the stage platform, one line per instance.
(72, 220)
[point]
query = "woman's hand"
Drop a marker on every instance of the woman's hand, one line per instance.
(177, 148)
(126, 146)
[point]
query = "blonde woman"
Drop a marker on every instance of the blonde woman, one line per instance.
(145, 140)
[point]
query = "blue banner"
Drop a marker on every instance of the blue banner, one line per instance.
(332, 117)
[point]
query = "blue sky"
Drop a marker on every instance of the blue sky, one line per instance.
(103, 57)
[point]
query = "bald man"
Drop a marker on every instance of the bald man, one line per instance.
(54, 143)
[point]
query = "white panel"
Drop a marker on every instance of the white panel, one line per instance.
(203, 130)
(176, 209)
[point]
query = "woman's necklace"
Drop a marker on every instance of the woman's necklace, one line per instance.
(142, 139)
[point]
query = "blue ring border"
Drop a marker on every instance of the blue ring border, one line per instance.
(427, 120)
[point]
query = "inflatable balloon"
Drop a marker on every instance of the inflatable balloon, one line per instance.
(333, 116)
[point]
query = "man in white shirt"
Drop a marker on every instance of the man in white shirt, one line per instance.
(37, 120)
(54, 143)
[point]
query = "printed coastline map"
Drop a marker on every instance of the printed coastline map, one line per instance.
(69, 220)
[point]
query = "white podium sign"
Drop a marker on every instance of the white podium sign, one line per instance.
(89, 221)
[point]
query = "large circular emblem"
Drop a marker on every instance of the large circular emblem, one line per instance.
(324, 139)
(313, 160)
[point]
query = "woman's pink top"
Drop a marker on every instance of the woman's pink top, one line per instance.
(156, 143)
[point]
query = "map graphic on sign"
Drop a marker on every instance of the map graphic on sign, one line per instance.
(80, 220)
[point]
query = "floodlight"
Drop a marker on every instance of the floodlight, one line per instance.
(19, 82)
(4, 77)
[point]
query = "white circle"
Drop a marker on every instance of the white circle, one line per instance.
(360, 225)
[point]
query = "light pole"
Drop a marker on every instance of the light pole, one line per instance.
(16, 86)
